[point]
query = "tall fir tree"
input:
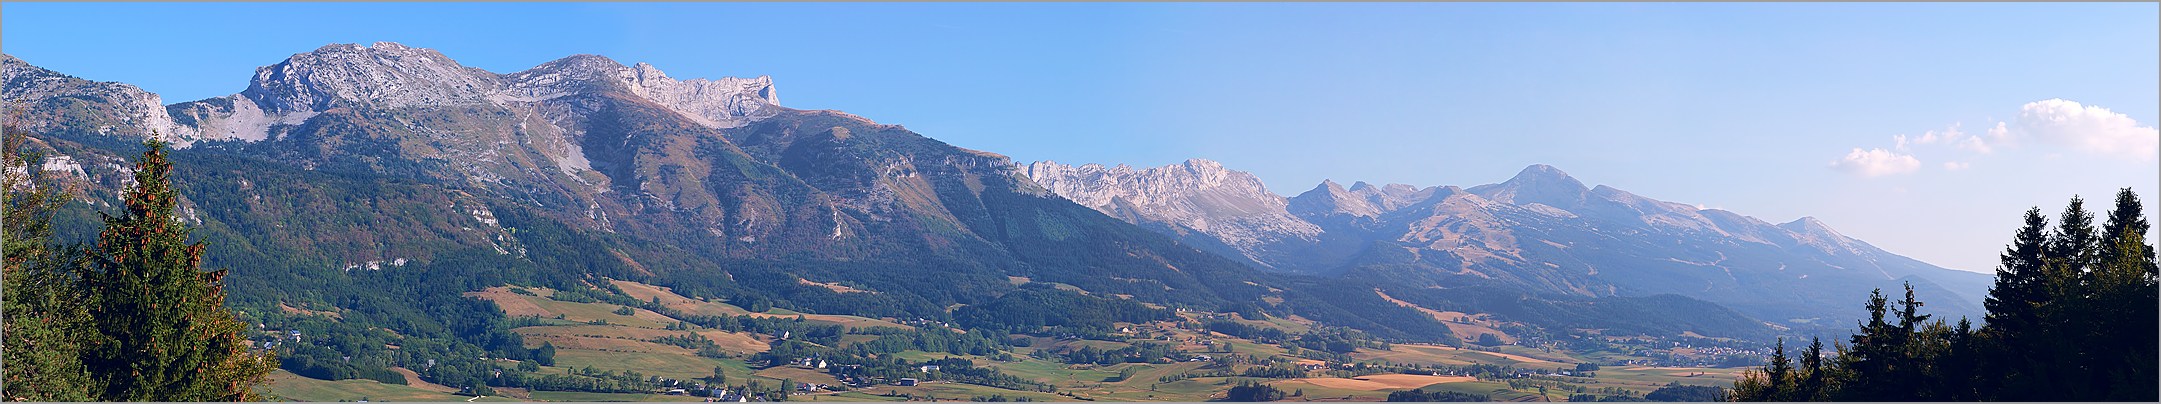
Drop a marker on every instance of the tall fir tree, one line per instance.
(2126, 221)
(2062, 353)
(2123, 277)
(2014, 316)
(165, 333)
(2124, 323)
(43, 323)
(1873, 356)
(1779, 373)
(1958, 368)
(1814, 375)
(2075, 238)
(2018, 279)
(1910, 350)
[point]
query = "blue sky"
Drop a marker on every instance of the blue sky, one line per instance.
(1754, 108)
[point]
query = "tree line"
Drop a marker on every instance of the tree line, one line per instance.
(2071, 317)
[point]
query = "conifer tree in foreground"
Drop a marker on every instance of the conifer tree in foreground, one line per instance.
(165, 333)
(44, 325)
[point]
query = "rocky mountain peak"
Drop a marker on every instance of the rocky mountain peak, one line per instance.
(719, 103)
(1545, 175)
(389, 76)
(1539, 183)
(1329, 199)
(1328, 185)
(54, 102)
(574, 67)
(1808, 225)
(1231, 207)
(384, 75)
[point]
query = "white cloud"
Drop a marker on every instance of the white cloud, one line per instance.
(1951, 136)
(2087, 128)
(2063, 123)
(1877, 162)
(1977, 145)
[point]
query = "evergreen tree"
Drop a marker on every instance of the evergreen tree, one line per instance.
(1779, 374)
(2013, 316)
(43, 324)
(2071, 318)
(2126, 221)
(165, 334)
(1874, 351)
(2060, 357)
(2125, 323)
(2075, 238)
(2018, 279)
(1814, 376)
(1960, 365)
(1912, 348)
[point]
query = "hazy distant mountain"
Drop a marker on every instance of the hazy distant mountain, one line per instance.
(1541, 231)
(1200, 203)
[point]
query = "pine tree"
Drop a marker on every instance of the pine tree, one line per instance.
(2125, 322)
(1874, 351)
(1914, 346)
(2075, 240)
(165, 335)
(2018, 280)
(2014, 317)
(1958, 367)
(43, 326)
(1780, 373)
(2126, 221)
(1814, 376)
(2067, 313)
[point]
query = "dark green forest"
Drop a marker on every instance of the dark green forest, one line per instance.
(2071, 317)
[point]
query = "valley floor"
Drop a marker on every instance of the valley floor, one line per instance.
(594, 337)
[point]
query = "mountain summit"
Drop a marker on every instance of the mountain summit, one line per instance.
(1540, 184)
(1198, 201)
(392, 76)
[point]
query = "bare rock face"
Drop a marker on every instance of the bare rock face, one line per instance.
(54, 102)
(1230, 208)
(719, 103)
(388, 76)
(385, 76)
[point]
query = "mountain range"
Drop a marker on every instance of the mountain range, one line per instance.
(1542, 231)
(354, 162)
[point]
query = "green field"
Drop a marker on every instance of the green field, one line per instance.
(954, 392)
(682, 367)
(286, 386)
(1646, 379)
(589, 397)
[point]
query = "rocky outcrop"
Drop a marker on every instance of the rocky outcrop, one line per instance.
(57, 103)
(392, 76)
(1226, 209)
